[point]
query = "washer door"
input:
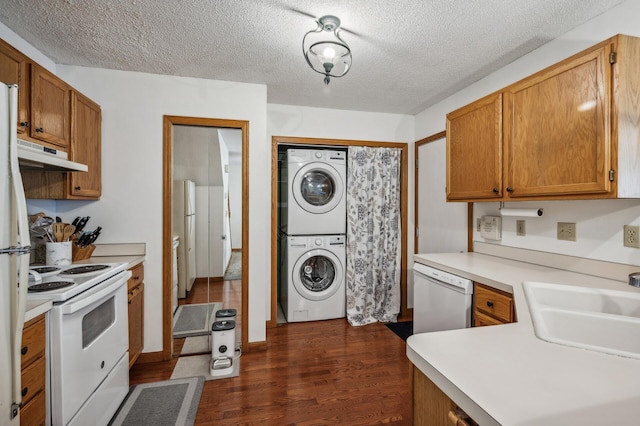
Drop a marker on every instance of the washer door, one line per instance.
(317, 274)
(317, 188)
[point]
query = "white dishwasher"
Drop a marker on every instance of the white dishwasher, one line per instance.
(441, 301)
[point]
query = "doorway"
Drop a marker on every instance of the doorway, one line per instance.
(440, 226)
(277, 141)
(213, 245)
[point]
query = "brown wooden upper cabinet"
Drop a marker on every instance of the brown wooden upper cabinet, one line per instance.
(570, 131)
(86, 125)
(14, 69)
(50, 103)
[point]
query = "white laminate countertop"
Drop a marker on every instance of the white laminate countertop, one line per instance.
(505, 375)
(35, 308)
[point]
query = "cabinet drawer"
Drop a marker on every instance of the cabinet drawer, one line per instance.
(494, 303)
(33, 379)
(34, 412)
(482, 320)
(33, 341)
(137, 276)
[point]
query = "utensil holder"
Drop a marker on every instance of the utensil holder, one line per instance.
(81, 253)
(58, 253)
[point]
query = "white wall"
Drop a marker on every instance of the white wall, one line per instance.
(599, 222)
(286, 120)
(131, 206)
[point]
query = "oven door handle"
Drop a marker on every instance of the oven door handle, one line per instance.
(111, 285)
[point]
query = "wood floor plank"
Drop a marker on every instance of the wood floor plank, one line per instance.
(313, 373)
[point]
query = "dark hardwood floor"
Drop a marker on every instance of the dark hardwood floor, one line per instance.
(313, 373)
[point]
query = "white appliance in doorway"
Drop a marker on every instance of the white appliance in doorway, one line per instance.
(14, 260)
(313, 286)
(184, 225)
(316, 192)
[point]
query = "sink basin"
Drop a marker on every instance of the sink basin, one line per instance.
(596, 319)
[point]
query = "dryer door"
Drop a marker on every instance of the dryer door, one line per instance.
(317, 188)
(317, 274)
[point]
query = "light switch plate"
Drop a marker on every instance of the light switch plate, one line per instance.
(520, 228)
(491, 228)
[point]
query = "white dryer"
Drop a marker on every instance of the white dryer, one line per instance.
(313, 283)
(316, 195)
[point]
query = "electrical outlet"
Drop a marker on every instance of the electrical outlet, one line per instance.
(567, 231)
(478, 225)
(520, 228)
(631, 236)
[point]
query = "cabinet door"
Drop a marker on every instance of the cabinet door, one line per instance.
(557, 128)
(85, 146)
(14, 69)
(474, 150)
(136, 325)
(49, 108)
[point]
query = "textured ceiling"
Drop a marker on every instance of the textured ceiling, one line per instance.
(407, 54)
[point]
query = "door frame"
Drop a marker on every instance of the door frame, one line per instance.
(167, 233)
(405, 312)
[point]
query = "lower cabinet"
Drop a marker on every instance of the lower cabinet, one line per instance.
(34, 369)
(136, 313)
(432, 407)
(491, 306)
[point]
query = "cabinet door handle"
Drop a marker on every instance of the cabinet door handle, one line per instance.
(25, 391)
(490, 304)
(509, 189)
(39, 130)
(24, 350)
(495, 190)
(24, 124)
(77, 188)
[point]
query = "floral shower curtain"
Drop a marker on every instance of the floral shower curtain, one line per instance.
(373, 235)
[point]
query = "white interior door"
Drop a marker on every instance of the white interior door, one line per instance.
(442, 226)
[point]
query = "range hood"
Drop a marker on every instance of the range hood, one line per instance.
(34, 157)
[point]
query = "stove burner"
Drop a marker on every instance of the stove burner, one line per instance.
(84, 269)
(48, 286)
(45, 269)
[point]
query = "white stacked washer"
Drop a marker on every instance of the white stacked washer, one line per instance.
(313, 282)
(316, 201)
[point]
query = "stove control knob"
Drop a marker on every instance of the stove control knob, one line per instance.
(318, 242)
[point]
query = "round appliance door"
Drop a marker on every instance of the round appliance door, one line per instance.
(317, 188)
(317, 274)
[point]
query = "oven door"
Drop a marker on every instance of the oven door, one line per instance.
(89, 335)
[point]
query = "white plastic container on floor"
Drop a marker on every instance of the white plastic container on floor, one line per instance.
(223, 340)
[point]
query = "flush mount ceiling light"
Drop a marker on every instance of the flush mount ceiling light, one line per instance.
(325, 52)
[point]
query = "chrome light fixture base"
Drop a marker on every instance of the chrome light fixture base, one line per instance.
(327, 54)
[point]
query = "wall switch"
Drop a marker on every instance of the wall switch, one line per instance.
(567, 231)
(478, 225)
(520, 228)
(631, 237)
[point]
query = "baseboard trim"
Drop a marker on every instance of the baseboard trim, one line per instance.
(148, 357)
(256, 347)
(203, 280)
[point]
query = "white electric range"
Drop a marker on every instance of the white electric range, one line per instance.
(87, 339)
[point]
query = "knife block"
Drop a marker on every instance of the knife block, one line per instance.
(81, 253)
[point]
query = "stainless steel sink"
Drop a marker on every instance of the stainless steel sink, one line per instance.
(590, 318)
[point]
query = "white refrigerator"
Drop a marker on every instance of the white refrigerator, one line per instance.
(184, 225)
(14, 259)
